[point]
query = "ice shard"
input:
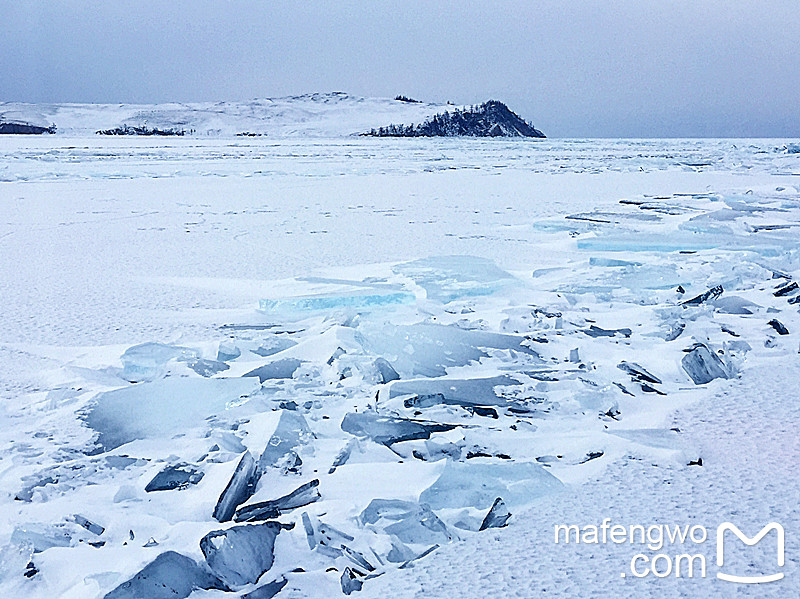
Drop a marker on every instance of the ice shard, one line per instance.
(267, 591)
(241, 554)
(292, 432)
(386, 374)
(466, 392)
(207, 368)
(178, 476)
(408, 521)
(429, 349)
(449, 278)
(472, 484)
(497, 517)
(704, 297)
(350, 582)
(303, 495)
(637, 372)
(703, 366)
(169, 576)
(387, 429)
(162, 408)
(279, 369)
(353, 300)
(239, 489)
(147, 361)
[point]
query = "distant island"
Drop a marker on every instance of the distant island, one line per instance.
(321, 115)
(490, 119)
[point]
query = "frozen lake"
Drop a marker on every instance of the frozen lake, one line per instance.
(523, 314)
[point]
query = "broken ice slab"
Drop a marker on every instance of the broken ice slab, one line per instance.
(429, 349)
(387, 429)
(162, 408)
(343, 455)
(279, 369)
(175, 477)
(595, 331)
(350, 582)
(684, 241)
(733, 304)
(786, 289)
(146, 361)
(566, 226)
(652, 437)
(478, 484)
(706, 296)
(410, 522)
(386, 374)
(291, 432)
(92, 527)
(703, 366)
(604, 217)
(646, 277)
(638, 372)
(169, 576)
(467, 392)
(778, 326)
(39, 537)
(611, 262)
(336, 301)
(227, 351)
(207, 368)
(324, 537)
(303, 495)
(274, 345)
(497, 517)
(267, 591)
(449, 278)
(241, 554)
(239, 489)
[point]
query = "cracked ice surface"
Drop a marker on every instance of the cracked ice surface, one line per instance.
(376, 431)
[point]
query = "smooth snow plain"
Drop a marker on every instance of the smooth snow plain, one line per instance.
(435, 323)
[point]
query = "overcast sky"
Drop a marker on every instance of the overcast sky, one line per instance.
(576, 68)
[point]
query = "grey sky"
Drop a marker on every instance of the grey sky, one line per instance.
(618, 68)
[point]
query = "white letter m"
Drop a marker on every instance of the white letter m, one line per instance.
(725, 526)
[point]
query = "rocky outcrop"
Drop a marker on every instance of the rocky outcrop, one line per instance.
(25, 129)
(490, 119)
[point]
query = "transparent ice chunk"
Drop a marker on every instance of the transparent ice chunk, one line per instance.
(703, 366)
(239, 488)
(467, 392)
(175, 477)
(292, 432)
(429, 349)
(41, 536)
(497, 517)
(146, 361)
(303, 495)
(478, 484)
(279, 369)
(352, 300)
(169, 576)
(162, 408)
(241, 554)
(448, 278)
(387, 429)
(410, 522)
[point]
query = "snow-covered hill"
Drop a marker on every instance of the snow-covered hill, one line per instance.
(333, 114)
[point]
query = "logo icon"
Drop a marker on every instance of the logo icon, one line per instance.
(728, 526)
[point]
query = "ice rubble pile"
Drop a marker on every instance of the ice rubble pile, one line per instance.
(346, 434)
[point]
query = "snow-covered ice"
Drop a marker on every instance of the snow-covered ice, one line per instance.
(389, 367)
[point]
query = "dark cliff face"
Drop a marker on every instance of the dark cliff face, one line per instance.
(25, 129)
(491, 119)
